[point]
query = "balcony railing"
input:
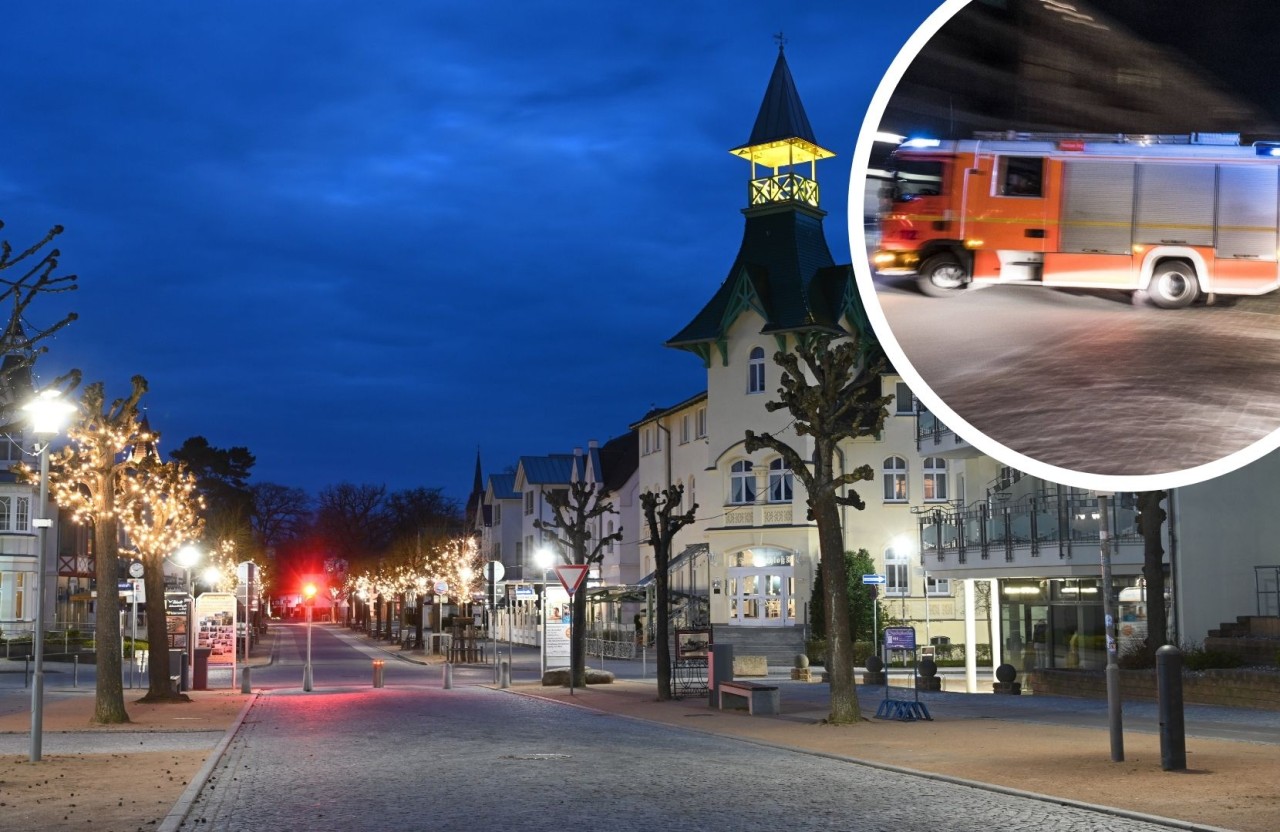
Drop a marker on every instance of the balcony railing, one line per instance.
(785, 187)
(1046, 524)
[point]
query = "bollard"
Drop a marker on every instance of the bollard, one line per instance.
(1173, 737)
(75, 670)
(504, 674)
(26, 670)
(246, 686)
(378, 665)
(448, 676)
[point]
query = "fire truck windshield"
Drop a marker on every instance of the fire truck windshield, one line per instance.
(915, 178)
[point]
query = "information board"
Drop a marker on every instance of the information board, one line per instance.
(899, 638)
(216, 626)
(557, 615)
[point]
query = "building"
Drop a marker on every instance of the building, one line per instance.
(746, 568)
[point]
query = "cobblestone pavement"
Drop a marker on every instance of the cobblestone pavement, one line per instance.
(1091, 381)
(477, 758)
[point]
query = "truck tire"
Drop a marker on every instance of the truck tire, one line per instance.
(1173, 285)
(942, 276)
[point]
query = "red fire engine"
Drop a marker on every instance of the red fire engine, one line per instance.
(1176, 217)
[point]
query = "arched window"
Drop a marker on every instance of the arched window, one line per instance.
(895, 480)
(935, 479)
(755, 371)
(742, 482)
(779, 481)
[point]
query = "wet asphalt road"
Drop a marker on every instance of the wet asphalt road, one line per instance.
(1097, 382)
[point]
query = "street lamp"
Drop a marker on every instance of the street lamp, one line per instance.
(187, 557)
(309, 600)
(47, 414)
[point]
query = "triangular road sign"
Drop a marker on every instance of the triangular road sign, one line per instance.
(571, 576)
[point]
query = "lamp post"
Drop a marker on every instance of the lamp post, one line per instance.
(543, 558)
(309, 600)
(47, 414)
(187, 557)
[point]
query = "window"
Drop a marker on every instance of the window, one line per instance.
(897, 572)
(779, 481)
(755, 371)
(904, 403)
(520, 552)
(657, 437)
(1020, 176)
(702, 423)
(935, 479)
(895, 480)
(497, 513)
(497, 550)
(916, 178)
(528, 502)
(6, 513)
(693, 493)
(937, 586)
(647, 432)
(22, 514)
(742, 483)
(684, 428)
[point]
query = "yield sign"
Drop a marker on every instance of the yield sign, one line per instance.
(571, 576)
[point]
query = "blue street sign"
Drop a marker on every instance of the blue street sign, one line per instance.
(873, 579)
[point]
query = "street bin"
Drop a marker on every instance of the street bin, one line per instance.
(719, 669)
(200, 673)
(378, 666)
(178, 667)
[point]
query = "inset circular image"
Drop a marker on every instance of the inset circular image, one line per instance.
(1070, 213)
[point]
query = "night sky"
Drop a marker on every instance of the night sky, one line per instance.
(364, 239)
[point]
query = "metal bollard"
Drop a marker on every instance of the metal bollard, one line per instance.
(448, 676)
(504, 673)
(26, 672)
(1173, 736)
(75, 670)
(378, 665)
(246, 686)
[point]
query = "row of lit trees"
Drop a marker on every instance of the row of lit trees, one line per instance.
(413, 567)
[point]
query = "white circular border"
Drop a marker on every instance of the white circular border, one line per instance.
(866, 288)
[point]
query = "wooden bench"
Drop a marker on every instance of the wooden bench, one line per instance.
(760, 698)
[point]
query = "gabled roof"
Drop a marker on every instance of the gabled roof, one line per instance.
(785, 272)
(553, 469)
(619, 459)
(503, 487)
(659, 412)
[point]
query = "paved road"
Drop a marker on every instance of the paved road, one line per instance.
(413, 755)
(1091, 381)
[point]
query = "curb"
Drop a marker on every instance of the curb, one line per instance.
(182, 808)
(1114, 811)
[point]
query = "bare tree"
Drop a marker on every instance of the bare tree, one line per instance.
(162, 513)
(280, 512)
(352, 519)
(574, 511)
(85, 477)
(662, 513)
(842, 402)
(24, 277)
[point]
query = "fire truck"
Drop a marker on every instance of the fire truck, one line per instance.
(1176, 217)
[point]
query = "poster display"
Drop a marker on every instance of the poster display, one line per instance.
(175, 618)
(557, 615)
(215, 626)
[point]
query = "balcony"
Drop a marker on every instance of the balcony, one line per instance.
(759, 514)
(933, 438)
(1053, 531)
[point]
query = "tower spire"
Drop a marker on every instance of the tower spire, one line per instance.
(782, 141)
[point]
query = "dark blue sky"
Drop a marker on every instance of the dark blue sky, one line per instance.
(363, 239)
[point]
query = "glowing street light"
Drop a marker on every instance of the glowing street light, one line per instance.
(308, 600)
(187, 557)
(543, 558)
(47, 414)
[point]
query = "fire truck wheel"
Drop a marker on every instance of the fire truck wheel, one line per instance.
(941, 276)
(1173, 285)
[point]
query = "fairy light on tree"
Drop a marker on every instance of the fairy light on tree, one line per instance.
(160, 513)
(85, 479)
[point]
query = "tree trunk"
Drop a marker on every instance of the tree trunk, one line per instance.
(1153, 517)
(835, 600)
(158, 670)
(578, 638)
(417, 627)
(377, 617)
(109, 701)
(662, 608)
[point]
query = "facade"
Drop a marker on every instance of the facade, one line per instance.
(746, 568)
